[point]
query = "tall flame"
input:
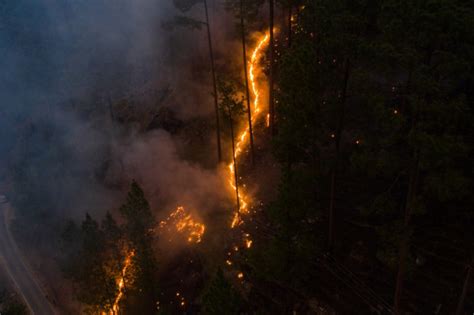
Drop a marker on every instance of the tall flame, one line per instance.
(243, 138)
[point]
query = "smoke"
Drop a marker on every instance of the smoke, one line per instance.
(63, 63)
(95, 94)
(154, 161)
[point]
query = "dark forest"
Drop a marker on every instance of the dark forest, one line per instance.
(236, 157)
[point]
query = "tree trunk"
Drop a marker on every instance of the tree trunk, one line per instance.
(340, 128)
(317, 129)
(214, 83)
(460, 308)
(111, 110)
(404, 244)
(271, 103)
(289, 247)
(411, 194)
(234, 159)
(247, 90)
(290, 31)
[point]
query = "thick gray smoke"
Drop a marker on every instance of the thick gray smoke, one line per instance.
(63, 64)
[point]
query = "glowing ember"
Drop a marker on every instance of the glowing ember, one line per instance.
(248, 243)
(236, 220)
(184, 223)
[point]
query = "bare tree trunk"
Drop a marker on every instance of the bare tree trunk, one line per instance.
(411, 194)
(111, 110)
(340, 128)
(211, 55)
(289, 177)
(462, 298)
(317, 129)
(404, 244)
(271, 102)
(247, 90)
(290, 14)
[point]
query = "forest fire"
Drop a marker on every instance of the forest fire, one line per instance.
(256, 157)
(184, 223)
(243, 138)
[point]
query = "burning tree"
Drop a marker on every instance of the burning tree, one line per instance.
(246, 12)
(138, 231)
(231, 107)
(113, 267)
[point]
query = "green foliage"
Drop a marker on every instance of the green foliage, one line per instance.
(112, 231)
(96, 256)
(297, 234)
(136, 212)
(220, 297)
(404, 156)
(250, 10)
(299, 128)
(231, 103)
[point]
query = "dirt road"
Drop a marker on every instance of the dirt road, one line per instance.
(17, 269)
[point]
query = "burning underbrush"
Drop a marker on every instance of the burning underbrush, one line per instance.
(184, 223)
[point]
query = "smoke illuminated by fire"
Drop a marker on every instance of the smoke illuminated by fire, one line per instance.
(184, 223)
(243, 138)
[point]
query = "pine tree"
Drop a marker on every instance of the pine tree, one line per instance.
(94, 285)
(139, 224)
(220, 297)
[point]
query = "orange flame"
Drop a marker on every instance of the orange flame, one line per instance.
(121, 284)
(184, 223)
(243, 138)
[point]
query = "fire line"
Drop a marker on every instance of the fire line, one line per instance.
(243, 138)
